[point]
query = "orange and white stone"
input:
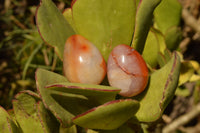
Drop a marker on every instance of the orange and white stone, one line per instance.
(127, 70)
(82, 61)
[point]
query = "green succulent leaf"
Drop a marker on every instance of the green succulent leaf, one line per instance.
(106, 23)
(28, 109)
(108, 116)
(92, 131)
(196, 94)
(67, 13)
(163, 58)
(167, 18)
(151, 48)
(184, 92)
(26, 113)
(143, 22)
(122, 129)
(160, 39)
(71, 129)
(173, 37)
(167, 14)
(195, 65)
(95, 93)
(49, 122)
(168, 55)
(160, 91)
(66, 100)
(186, 72)
(7, 125)
(194, 78)
(63, 116)
(52, 26)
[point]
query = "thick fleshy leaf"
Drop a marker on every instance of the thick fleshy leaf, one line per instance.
(26, 113)
(173, 37)
(91, 131)
(12, 116)
(49, 122)
(167, 18)
(186, 73)
(106, 23)
(195, 65)
(95, 93)
(194, 78)
(66, 100)
(143, 22)
(7, 125)
(151, 48)
(160, 91)
(154, 46)
(63, 116)
(67, 13)
(163, 58)
(183, 92)
(28, 110)
(52, 26)
(167, 14)
(108, 116)
(71, 129)
(122, 129)
(161, 40)
(168, 55)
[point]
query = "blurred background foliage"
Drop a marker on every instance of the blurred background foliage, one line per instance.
(22, 51)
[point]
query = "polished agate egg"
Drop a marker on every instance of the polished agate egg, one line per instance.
(82, 61)
(127, 70)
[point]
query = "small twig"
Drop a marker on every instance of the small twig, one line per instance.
(7, 4)
(184, 44)
(182, 120)
(166, 119)
(54, 62)
(18, 23)
(194, 129)
(46, 60)
(190, 20)
(61, 6)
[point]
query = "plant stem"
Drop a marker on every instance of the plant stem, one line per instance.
(182, 120)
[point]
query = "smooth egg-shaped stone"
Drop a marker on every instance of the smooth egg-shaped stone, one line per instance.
(127, 70)
(82, 61)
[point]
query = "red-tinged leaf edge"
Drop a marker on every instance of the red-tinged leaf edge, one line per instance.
(164, 97)
(163, 103)
(56, 49)
(108, 116)
(101, 94)
(79, 87)
(46, 106)
(35, 95)
(11, 125)
(140, 35)
(95, 108)
(72, 3)
(36, 12)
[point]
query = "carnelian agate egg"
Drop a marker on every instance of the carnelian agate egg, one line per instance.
(82, 61)
(127, 70)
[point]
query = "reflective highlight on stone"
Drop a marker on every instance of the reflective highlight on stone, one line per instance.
(127, 70)
(82, 61)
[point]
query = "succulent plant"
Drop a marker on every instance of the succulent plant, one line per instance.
(62, 104)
